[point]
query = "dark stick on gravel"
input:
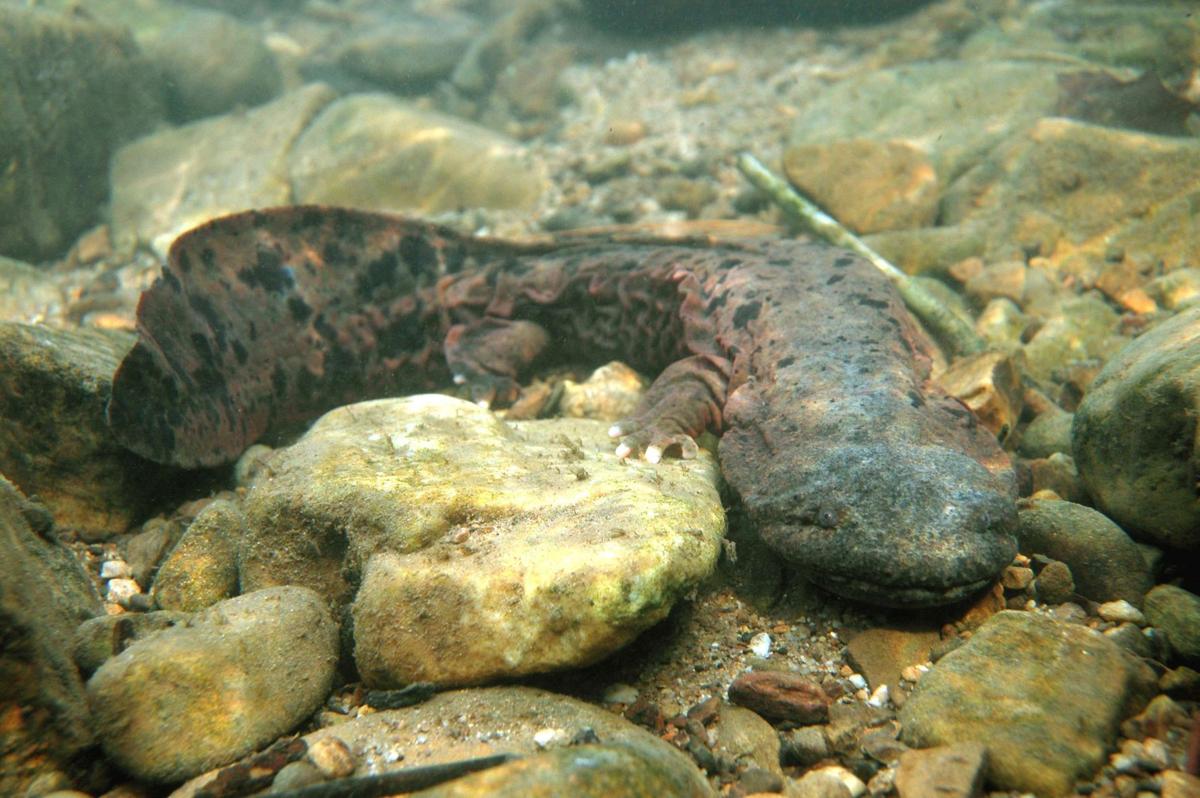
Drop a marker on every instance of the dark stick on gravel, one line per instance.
(407, 780)
(415, 693)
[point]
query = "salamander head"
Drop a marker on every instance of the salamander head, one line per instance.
(904, 526)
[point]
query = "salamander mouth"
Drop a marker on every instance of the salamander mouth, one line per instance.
(898, 596)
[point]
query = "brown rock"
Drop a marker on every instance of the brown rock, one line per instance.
(880, 654)
(948, 771)
(989, 384)
(1177, 784)
(1054, 584)
(869, 186)
(781, 696)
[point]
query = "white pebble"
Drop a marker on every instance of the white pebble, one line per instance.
(121, 590)
(542, 738)
(1121, 611)
(857, 680)
(620, 693)
(880, 697)
(760, 645)
(115, 569)
(834, 774)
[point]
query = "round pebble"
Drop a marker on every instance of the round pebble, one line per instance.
(120, 591)
(760, 644)
(1121, 611)
(332, 757)
(620, 693)
(544, 738)
(115, 569)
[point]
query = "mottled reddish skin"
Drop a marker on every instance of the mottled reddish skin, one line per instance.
(850, 463)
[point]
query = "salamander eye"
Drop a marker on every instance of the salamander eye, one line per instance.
(827, 518)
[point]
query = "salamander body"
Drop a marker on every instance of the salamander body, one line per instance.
(802, 357)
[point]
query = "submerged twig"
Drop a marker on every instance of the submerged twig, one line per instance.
(406, 780)
(952, 330)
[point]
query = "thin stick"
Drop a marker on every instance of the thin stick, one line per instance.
(952, 330)
(406, 780)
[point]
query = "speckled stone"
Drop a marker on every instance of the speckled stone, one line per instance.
(1044, 697)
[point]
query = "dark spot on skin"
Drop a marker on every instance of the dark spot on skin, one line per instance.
(779, 262)
(324, 328)
(843, 261)
(307, 385)
(402, 334)
(746, 313)
(419, 255)
(253, 331)
(915, 399)
(267, 273)
(787, 361)
(455, 257)
(835, 279)
(717, 302)
(332, 253)
(380, 273)
(208, 376)
(878, 304)
(298, 308)
(204, 306)
(729, 263)
(208, 257)
(240, 353)
(278, 380)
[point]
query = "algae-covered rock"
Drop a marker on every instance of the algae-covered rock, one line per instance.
(1045, 697)
(1135, 436)
(1074, 193)
(204, 693)
(484, 550)
(71, 91)
(587, 771)
(1105, 563)
(373, 151)
(54, 441)
(202, 568)
(1079, 329)
(44, 595)
(212, 62)
(956, 110)
(1177, 613)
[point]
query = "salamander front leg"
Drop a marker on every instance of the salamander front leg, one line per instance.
(683, 402)
(488, 355)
